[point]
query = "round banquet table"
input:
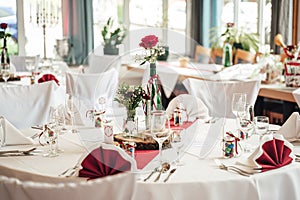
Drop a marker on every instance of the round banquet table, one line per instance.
(198, 178)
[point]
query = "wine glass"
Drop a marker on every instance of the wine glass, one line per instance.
(50, 137)
(5, 72)
(30, 66)
(71, 109)
(261, 125)
(177, 141)
(57, 118)
(160, 128)
(238, 103)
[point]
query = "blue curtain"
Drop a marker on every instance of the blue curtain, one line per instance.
(78, 27)
(205, 15)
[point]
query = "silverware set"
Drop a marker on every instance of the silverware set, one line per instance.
(237, 169)
(163, 169)
(18, 152)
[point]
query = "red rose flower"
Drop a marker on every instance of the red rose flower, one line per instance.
(3, 25)
(149, 41)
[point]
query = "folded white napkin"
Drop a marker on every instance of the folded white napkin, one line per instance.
(291, 128)
(13, 136)
(195, 108)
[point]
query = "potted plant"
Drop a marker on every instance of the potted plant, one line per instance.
(239, 38)
(112, 35)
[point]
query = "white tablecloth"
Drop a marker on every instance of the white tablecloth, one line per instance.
(199, 178)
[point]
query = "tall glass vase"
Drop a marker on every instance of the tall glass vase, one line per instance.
(154, 91)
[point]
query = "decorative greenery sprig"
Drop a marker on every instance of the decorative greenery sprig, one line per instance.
(113, 35)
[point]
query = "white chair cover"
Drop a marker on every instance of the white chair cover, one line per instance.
(217, 95)
(91, 87)
(100, 64)
(25, 106)
(194, 106)
(120, 186)
(19, 62)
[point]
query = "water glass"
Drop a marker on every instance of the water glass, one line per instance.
(177, 141)
(72, 110)
(261, 125)
(238, 104)
(160, 128)
(5, 71)
(50, 137)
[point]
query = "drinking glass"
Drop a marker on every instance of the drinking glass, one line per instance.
(50, 137)
(160, 128)
(177, 141)
(245, 130)
(238, 103)
(71, 109)
(5, 71)
(57, 120)
(261, 125)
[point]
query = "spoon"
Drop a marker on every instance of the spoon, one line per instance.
(165, 167)
(171, 172)
(155, 170)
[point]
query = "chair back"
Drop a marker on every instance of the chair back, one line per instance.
(217, 95)
(102, 63)
(202, 54)
(25, 106)
(242, 56)
(19, 62)
(217, 56)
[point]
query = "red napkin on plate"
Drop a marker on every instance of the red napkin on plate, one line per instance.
(48, 77)
(274, 152)
(103, 162)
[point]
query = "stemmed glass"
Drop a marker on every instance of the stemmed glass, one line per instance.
(177, 141)
(5, 71)
(50, 137)
(30, 66)
(238, 103)
(160, 128)
(71, 109)
(57, 118)
(245, 126)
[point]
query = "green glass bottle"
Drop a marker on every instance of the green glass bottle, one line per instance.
(227, 54)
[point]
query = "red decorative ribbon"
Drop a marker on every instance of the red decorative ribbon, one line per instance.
(236, 140)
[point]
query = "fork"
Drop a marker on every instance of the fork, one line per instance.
(70, 171)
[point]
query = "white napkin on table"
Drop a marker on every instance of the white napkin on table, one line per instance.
(291, 128)
(13, 135)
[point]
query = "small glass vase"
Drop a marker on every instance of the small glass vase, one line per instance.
(130, 124)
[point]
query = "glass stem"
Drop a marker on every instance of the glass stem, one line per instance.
(160, 152)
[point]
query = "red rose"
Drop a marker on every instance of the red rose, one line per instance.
(149, 41)
(3, 25)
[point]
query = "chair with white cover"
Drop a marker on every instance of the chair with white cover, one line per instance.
(194, 107)
(19, 62)
(217, 95)
(25, 106)
(102, 63)
(88, 88)
(120, 186)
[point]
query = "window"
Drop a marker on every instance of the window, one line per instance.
(140, 15)
(252, 15)
(8, 15)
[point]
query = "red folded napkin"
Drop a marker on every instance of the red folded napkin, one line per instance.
(103, 162)
(274, 152)
(48, 77)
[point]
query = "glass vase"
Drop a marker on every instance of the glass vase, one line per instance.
(154, 88)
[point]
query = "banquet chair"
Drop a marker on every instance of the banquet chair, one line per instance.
(217, 95)
(19, 62)
(202, 54)
(25, 106)
(119, 186)
(194, 106)
(217, 55)
(242, 56)
(88, 88)
(102, 63)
